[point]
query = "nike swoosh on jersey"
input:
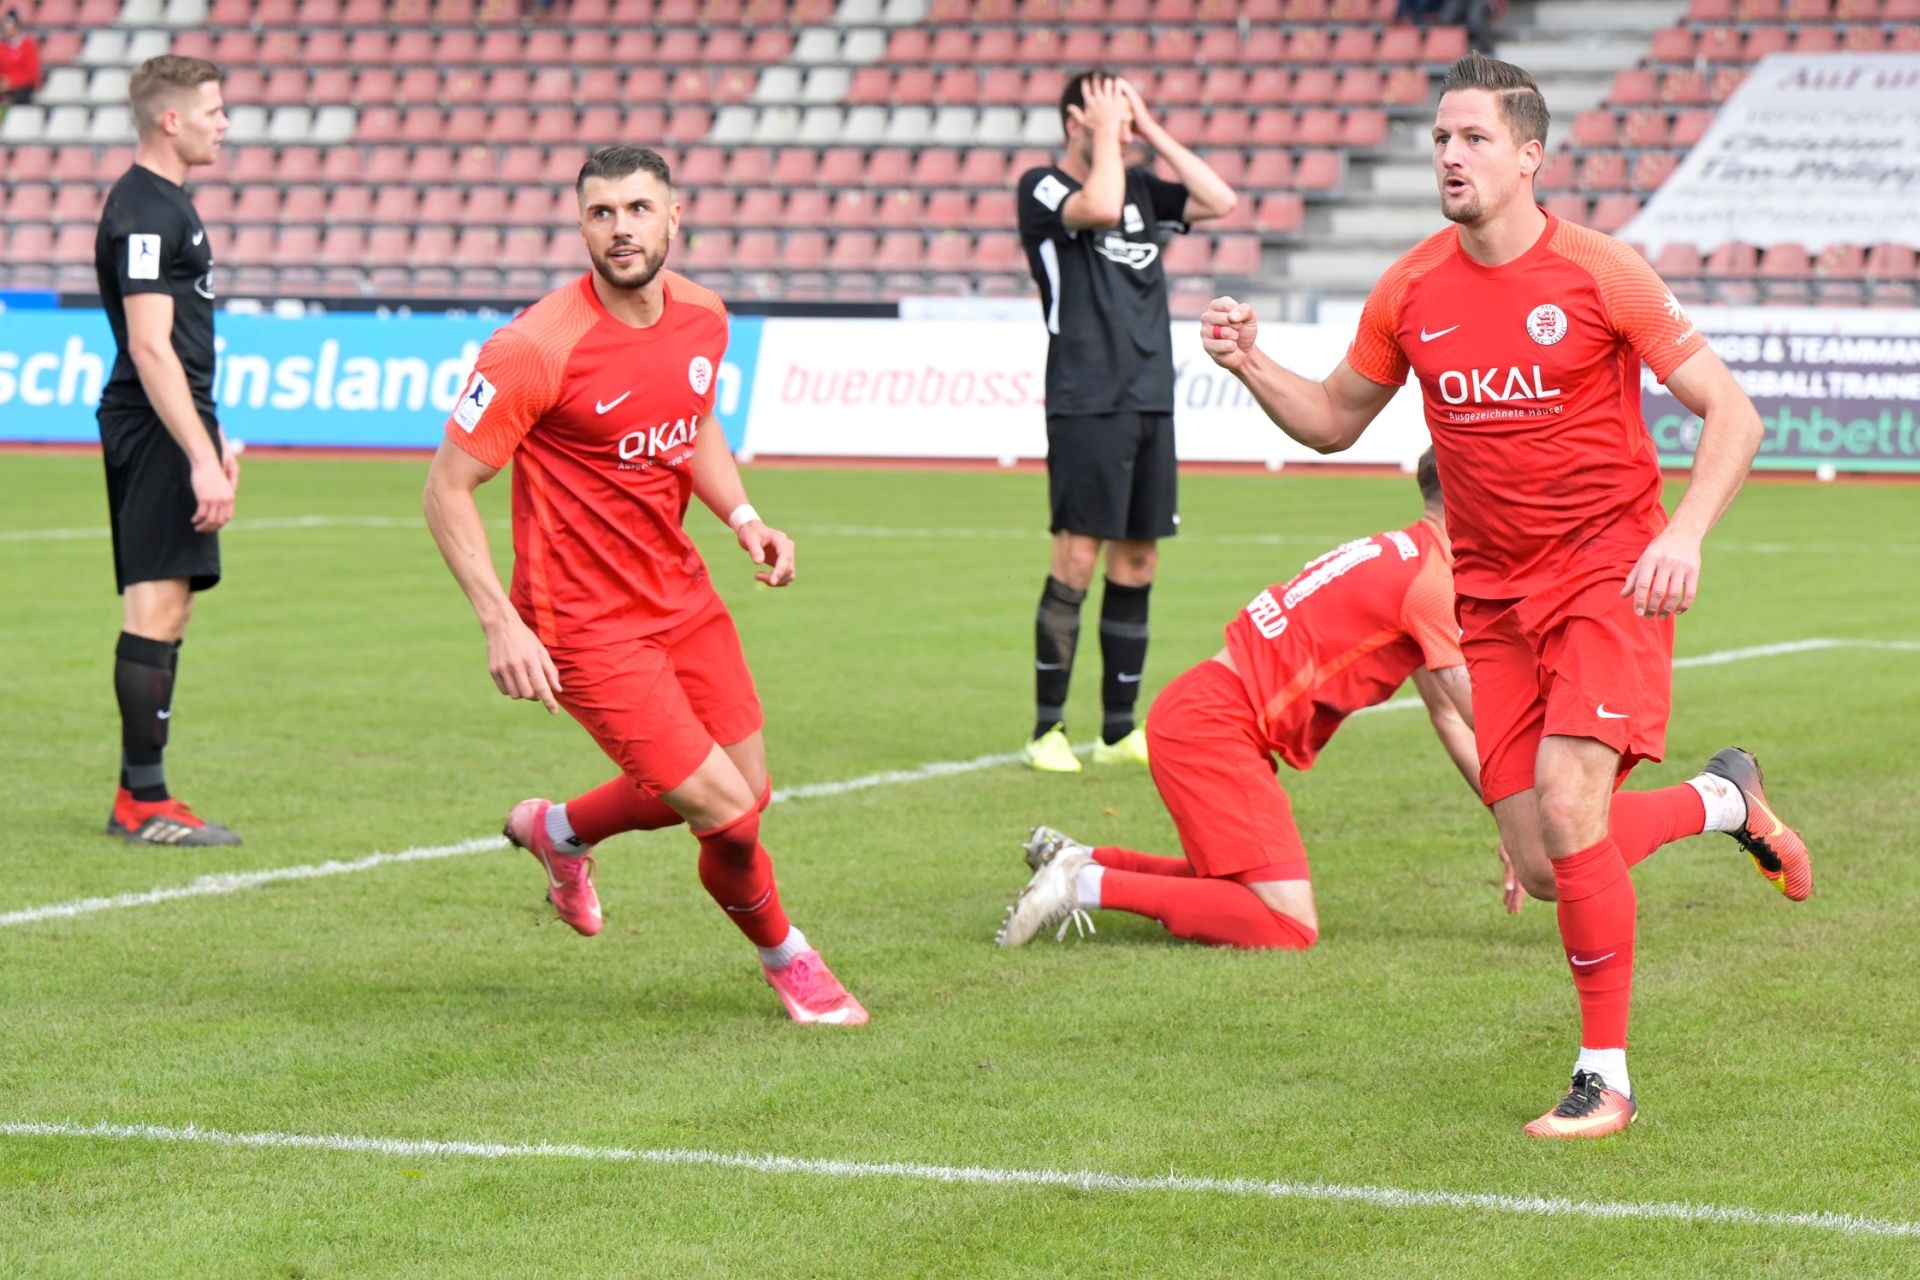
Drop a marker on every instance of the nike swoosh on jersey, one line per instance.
(198, 236)
(1605, 714)
(602, 408)
(1429, 337)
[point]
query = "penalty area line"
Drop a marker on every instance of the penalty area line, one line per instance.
(1846, 1224)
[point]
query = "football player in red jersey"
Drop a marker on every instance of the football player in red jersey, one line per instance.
(602, 396)
(1526, 334)
(1344, 634)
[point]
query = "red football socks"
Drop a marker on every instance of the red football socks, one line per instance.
(1147, 864)
(739, 875)
(616, 806)
(1218, 913)
(619, 805)
(1642, 821)
(1596, 910)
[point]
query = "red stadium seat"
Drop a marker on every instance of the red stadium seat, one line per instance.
(1309, 46)
(1645, 129)
(889, 167)
(1269, 170)
(1365, 130)
(1280, 213)
(936, 167)
(983, 167)
(1355, 45)
(1569, 208)
(1236, 256)
(1313, 86)
(1603, 171)
(1816, 40)
(854, 249)
(1674, 45)
(1633, 87)
(948, 209)
(1596, 130)
(901, 209)
(1762, 41)
(1721, 44)
(1319, 127)
(1610, 213)
(856, 208)
(1321, 171)
(761, 207)
(1652, 169)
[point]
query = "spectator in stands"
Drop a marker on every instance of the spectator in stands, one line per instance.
(1094, 230)
(1477, 16)
(19, 60)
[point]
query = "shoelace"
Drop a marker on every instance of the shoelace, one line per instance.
(1076, 919)
(1583, 1097)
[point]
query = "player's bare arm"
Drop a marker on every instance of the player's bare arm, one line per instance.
(717, 483)
(1208, 195)
(1326, 416)
(1667, 577)
(1103, 192)
(519, 663)
(1449, 700)
(150, 345)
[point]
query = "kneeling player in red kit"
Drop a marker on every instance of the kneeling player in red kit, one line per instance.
(602, 396)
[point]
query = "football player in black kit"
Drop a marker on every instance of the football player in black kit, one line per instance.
(171, 474)
(1094, 232)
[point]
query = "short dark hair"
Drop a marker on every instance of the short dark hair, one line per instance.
(1426, 474)
(621, 162)
(1521, 105)
(1075, 94)
(157, 76)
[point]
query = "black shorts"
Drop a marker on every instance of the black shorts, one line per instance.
(150, 500)
(1114, 476)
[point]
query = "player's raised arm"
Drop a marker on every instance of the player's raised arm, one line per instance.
(518, 662)
(1105, 117)
(1208, 195)
(717, 483)
(1326, 416)
(1667, 577)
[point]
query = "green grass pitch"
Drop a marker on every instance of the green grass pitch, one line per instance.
(334, 703)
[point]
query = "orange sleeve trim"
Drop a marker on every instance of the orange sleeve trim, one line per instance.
(1376, 353)
(1427, 612)
(685, 290)
(1640, 307)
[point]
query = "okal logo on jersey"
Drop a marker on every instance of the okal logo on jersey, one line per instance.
(1128, 253)
(1493, 386)
(653, 443)
(473, 402)
(1547, 324)
(700, 375)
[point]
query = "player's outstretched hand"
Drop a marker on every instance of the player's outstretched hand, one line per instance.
(1667, 578)
(212, 494)
(520, 665)
(1228, 330)
(768, 546)
(1510, 891)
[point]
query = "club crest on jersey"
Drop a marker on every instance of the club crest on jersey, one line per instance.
(1547, 324)
(700, 375)
(1128, 253)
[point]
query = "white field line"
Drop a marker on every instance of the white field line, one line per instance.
(234, 882)
(1846, 1224)
(920, 534)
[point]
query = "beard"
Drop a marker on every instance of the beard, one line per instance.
(650, 265)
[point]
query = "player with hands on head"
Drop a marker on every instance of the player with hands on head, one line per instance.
(1526, 334)
(602, 396)
(1094, 230)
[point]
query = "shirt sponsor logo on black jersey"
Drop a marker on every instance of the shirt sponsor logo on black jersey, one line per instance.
(1128, 253)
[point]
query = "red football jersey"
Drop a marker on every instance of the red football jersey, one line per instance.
(599, 420)
(1344, 634)
(1531, 376)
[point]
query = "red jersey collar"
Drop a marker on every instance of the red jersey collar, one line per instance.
(593, 300)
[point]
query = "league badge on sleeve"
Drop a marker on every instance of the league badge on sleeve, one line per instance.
(143, 257)
(473, 402)
(700, 375)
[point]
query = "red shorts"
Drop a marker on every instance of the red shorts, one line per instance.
(1576, 663)
(1216, 775)
(658, 704)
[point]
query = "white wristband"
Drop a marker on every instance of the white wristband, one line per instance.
(741, 514)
